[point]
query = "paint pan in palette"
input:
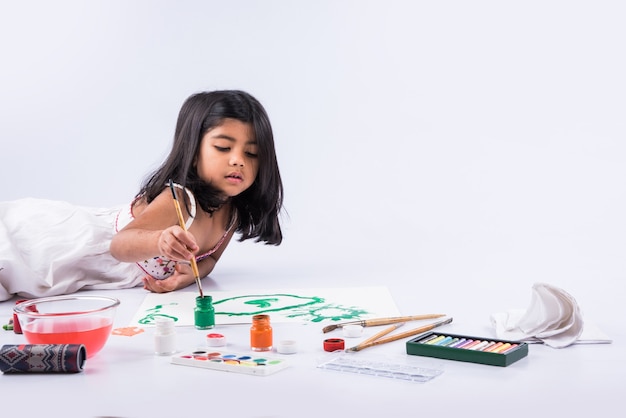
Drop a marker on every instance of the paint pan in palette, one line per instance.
(257, 365)
(465, 348)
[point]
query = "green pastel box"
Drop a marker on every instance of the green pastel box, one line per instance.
(466, 348)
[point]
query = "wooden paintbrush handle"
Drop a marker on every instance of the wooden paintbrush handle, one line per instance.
(181, 221)
(393, 320)
(381, 321)
(401, 335)
(383, 332)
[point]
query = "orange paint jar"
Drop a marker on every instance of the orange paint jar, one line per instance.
(261, 335)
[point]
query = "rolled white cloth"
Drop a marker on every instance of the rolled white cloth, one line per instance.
(553, 317)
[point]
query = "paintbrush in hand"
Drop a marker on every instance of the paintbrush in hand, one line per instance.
(382, 321)
(181, 221)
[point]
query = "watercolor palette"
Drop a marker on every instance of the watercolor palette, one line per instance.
(258, 365)
(466, 348)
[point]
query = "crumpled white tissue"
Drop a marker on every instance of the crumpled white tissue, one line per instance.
(553, 317)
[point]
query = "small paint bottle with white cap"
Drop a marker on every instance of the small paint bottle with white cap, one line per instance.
(164, 336)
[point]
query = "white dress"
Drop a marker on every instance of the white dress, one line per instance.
(51, 247)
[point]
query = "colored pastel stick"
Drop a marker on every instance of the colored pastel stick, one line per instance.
(511, 348)
(444, 341)
(479, 346)
(436, 340)
(489, 345)
(449, 343)
(460, 342)
(502, 348)
(465, 344)
(493, 346)
(429, 338)
(472, 344)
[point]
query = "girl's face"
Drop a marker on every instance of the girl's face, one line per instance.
(227, 158)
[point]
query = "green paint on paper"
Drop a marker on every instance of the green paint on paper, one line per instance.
(332, 312)
(257, 304)
(312, 308)
(291, 306)
(153, 313)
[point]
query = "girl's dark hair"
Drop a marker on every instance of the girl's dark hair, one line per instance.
(257, 207)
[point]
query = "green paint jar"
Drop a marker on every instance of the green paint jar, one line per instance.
(204, 313)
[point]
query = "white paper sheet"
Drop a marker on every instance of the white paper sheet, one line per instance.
(317, 305)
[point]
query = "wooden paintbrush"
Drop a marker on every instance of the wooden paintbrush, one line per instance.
(367, 343)
(382, 333)
(382, 321)
(181, 221)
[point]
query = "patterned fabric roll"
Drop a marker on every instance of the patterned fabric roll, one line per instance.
(42, 358)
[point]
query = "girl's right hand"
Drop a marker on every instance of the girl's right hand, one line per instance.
(177, 244)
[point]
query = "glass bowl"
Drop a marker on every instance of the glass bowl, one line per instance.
(77, 319)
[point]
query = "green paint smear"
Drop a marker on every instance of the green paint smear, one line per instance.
(266, 303)
(153, 313)
(312, 308)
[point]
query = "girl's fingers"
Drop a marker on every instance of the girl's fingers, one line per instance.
(178, 280)
(177, 244)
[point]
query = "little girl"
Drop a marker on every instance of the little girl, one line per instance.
(224, 169)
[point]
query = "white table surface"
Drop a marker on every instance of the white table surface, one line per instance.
(127, 380)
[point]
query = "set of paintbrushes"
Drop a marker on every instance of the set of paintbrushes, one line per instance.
(396, 322)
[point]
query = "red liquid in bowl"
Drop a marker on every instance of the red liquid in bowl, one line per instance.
(91, 332)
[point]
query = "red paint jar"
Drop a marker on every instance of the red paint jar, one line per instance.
(261, 335)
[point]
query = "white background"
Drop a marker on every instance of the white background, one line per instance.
(454, 151)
